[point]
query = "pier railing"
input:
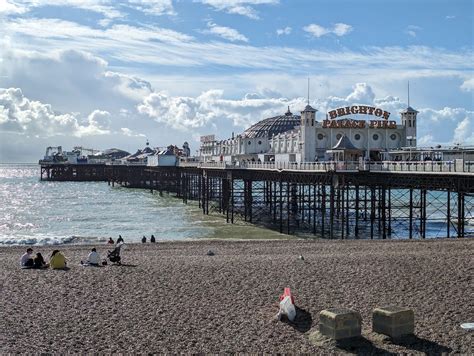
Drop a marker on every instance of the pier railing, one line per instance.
(458, 166)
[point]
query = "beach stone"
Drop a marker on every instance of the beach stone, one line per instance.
(340, 323)
(393, 321)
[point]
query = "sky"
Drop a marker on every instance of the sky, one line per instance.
(105, 73)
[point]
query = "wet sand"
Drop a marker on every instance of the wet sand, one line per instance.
(172, 297)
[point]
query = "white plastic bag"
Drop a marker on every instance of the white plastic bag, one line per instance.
(288, 308)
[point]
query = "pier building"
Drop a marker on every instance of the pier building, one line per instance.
(340, 134)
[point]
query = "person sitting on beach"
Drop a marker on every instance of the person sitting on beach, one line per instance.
(144, 239)
(93, 259)
(152, 239)
(57, 260)
(111, 241)
(120, 239)
(26, 259)
(39, 262)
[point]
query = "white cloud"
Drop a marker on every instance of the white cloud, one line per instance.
(239, 7)
(342, 29)
(413, 30)
(468, 85)
(108, 8)
(450, 17)
(153, 7)
(225, 32)
(210, 108)
(130, 133)
(71, 80)
(283, 31)
(160, 47)
(464, 131)
(339, 29)
(10, 7)
(20, 115)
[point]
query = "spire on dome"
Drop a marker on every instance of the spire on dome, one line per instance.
(288, 113)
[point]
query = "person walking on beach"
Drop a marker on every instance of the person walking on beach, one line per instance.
(57, 260)
(152, 239)
(144, 239)
(39, 262)
(120, 239)
(26, 259)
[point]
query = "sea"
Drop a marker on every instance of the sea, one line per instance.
(35, 212)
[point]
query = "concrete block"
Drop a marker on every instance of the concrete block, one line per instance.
(339, 323)
(393, 321)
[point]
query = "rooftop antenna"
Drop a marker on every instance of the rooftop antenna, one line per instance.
(308, 91)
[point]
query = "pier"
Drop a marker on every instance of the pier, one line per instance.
(343, 200)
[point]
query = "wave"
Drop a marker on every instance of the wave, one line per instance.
(47, 240)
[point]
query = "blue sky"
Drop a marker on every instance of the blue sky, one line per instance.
(105, 73)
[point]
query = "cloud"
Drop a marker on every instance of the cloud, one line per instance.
(468, 85)
(130, 133)
(238, 7)
(339, 29)
(71, 80)
(103, 7)
(342, 29)
(160, 47)
(283, 31)
(210, 108)
(153, 7)
(108, 8)
(20, 115)
(450, 17)
(225, 32)
(11, 8)
(412, 30)
(464, 131)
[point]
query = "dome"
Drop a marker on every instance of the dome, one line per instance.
(273, 125)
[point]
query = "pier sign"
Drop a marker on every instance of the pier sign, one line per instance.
(208, 138)
(332, 115)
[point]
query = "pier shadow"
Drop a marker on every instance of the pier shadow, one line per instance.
(415, 343)
(302, 322)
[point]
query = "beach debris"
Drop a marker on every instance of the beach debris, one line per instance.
(393, 321)
(339, 323)
(467, 326)
(210, 253)
(300, 257)
(287, 305)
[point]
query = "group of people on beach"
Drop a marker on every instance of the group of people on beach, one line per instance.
(120, 239)
(56, 261)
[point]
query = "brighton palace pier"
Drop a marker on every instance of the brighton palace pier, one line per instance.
(340, 136)
(354, 173)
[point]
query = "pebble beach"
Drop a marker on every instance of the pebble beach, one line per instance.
(171, 297)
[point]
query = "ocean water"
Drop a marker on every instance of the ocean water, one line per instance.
(40, 212)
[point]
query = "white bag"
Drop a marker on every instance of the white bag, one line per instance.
(288, 308)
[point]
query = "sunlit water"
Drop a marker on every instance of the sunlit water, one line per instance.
(40, 212)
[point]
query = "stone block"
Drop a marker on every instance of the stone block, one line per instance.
(393, 321)
(340, 323)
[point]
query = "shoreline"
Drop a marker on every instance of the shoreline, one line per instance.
(170, 297)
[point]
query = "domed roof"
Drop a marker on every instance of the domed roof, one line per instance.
(273, 125)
